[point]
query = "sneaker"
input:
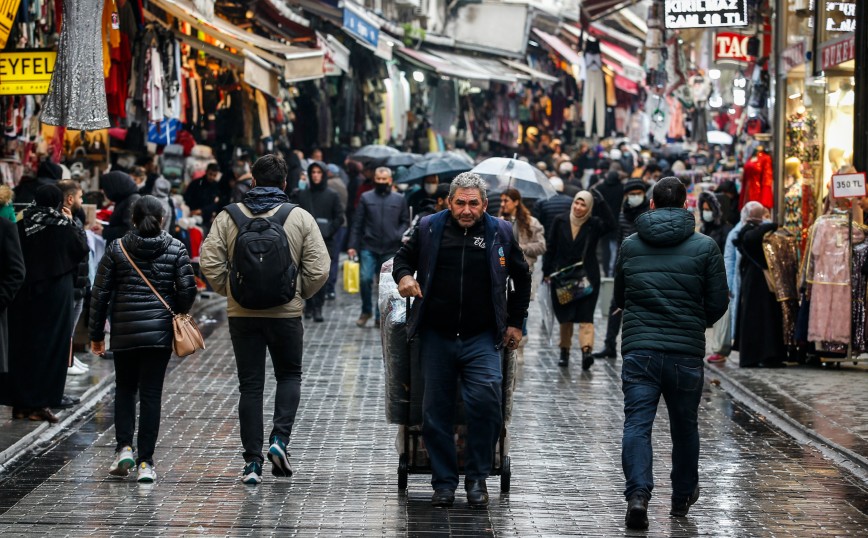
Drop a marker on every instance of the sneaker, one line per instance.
(717, 358)
(363, 320)
(147, 474)
(330, 296)
(252, 473)
(76, 370)
(124, 461)
(81, 364)
(279, 458)
(680, 508)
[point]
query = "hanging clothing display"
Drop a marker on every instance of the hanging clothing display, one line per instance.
(757, 184)
(782, 257)
(594, 97)
(77, 95)
(860, 288)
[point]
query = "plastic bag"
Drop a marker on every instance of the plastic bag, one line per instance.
(351, 276)
(544, 298)
(396, 349)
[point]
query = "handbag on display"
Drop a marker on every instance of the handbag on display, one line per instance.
(187, 336)
(571, 283)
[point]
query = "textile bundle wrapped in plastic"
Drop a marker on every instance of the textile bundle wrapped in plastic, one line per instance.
(396, 351)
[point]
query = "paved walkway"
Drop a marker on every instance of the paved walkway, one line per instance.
(565, 447)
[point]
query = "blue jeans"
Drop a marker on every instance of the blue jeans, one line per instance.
(476, 362)
(370, 265)
(646, 375)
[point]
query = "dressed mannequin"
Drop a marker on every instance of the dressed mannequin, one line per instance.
(701, 92)
(758, 179)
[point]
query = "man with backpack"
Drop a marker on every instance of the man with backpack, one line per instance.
(266, 255)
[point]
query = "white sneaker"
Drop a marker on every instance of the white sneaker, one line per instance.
(79, 363)
(75, 370)
(124, 461)
(147, 474)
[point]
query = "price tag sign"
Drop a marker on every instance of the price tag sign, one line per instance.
(848, 185)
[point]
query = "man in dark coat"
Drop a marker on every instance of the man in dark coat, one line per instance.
(11, 278)
(120, 189)
(204, 196)
(671, 283)
(612, 191)
(546, 210)
(324, 205)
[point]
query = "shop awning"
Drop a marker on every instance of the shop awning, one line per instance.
(556, 44)
(441, 66)
(534, 74)
(598, 9)
(495, 70)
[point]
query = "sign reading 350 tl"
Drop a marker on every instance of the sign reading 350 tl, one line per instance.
(705, 13)
(26, 72)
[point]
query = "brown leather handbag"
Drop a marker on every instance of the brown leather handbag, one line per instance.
(187, 338)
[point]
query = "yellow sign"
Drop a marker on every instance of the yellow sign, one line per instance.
(26, 73)
(8, 10)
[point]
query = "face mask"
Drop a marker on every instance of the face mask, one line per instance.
(635, 200)
(382, 188)
(708, 216)
(302, 184)
(430, 188)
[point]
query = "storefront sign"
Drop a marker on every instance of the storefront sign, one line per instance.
(731, 47)
(261, 77)
(26, 73)
(848, 185)
(705, 13)
(838, 51)
(8, 10)
(361, 28)
(838, 16)
(793, 56)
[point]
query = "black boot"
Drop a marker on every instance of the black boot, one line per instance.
(317, 315)
(565, 357)
(587, 358)
(607, 353)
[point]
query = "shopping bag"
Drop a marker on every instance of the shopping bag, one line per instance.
(544, 298)
(351, 276)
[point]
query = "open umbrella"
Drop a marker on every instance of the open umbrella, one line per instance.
(402, 159)
(444, 167)
(374, 154)
(454, 153)
(502, 173)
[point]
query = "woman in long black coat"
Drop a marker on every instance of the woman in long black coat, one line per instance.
(573, 234)
(40, 321)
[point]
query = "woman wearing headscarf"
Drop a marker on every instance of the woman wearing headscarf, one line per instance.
(759, 333)
(40, 328)
(715, 227)
(573, 238)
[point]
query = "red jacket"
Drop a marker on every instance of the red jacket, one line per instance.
(757, 184)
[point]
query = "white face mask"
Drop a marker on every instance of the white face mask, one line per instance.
(708, 216)
(430, 188)
(635, 200)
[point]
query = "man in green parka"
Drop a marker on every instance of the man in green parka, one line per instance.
(671, 284)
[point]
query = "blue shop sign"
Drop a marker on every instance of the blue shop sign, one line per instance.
(361, 28)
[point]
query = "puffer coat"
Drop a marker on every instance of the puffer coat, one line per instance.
(138, 318)
(671, 283)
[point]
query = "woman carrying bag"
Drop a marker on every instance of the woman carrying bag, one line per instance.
(142, 326)
(570, 265)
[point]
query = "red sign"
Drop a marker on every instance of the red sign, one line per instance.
(731, 47)
(838, 51)
(793, 56)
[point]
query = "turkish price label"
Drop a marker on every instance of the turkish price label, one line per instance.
(848, 185)
(704, 13)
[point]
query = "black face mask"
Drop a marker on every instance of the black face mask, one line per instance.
(382, 188)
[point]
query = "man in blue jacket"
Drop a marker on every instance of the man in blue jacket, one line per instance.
(464, 314)
(670, 282)
(379, 223)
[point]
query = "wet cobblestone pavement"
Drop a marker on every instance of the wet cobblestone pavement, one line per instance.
(565, 449)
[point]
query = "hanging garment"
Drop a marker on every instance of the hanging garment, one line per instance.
(782, 258)
(860, 287)
(829, 274)
(757, 183)
(262, 110)
(676, 119)
(76, 95)
(594, 103)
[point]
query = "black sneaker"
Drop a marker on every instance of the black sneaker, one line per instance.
(279, 458)
(252, 474)
(607, 353)
(680, 508)
(565, 357)
(637, 512)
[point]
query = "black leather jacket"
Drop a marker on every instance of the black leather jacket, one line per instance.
(138, 318)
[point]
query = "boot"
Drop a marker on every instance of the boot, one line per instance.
(587, 358)
(565, 357)
(317, 315)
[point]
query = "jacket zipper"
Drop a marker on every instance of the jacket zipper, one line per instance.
(461, 285)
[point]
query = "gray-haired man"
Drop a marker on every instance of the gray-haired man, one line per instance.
(464, 314)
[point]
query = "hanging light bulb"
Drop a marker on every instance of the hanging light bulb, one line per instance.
(715, 101)
(419, 76)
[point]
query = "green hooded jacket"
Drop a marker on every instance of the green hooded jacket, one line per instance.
(671, 283)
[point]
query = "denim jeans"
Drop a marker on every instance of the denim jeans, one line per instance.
(477, 363)
(645, 376)
(139, 372)
(283, 339)
(370, 262)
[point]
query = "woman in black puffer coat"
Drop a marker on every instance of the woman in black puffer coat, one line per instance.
(141, 327)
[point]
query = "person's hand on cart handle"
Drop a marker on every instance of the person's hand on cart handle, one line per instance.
(408, 287)
(512, 338)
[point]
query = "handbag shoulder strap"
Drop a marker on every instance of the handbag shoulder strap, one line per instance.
(143, 277)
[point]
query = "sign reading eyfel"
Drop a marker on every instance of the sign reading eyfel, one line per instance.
(705, 13)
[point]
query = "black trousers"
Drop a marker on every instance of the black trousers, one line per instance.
(283, 338)
(613, 326)
(139, 371)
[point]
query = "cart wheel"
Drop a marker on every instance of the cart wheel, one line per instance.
(403, 471)
(505, 474)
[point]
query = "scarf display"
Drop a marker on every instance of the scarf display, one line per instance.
(36, 218)
(576, 223)
(261, 199)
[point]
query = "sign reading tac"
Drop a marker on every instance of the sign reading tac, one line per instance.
(26, 73)
(705, 13)
(731, 47)
(848, 185)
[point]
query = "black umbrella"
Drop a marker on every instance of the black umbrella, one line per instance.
(374, 154)
(402, 159)
(445, 166)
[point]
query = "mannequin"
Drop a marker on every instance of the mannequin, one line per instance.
(758, 179)
(793, 196)
(594, 98)
(701, 91)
